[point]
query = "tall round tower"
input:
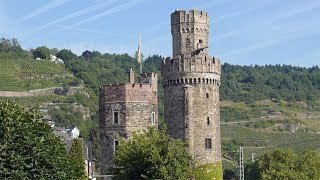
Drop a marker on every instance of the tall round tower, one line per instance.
(191, 81)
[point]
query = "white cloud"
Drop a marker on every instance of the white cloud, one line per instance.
(296, 11)
(77, 13)
(43, 9)
(113, 10)
(286, 35)
(260, 25)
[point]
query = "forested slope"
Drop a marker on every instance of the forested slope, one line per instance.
(260, 105)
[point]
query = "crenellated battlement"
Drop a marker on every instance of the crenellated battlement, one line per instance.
(191, 80)
(147, 82)
(189, 69)
(189, 32)
(194, 16)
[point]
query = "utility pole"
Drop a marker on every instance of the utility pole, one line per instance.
(252, 156)
(241, 164)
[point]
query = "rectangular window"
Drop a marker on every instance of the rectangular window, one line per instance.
(207, 94)
(153, 118)
(208, 121)
(116, 117)
(115, 145)
(208, 143)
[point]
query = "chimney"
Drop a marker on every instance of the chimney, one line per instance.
(131, 76)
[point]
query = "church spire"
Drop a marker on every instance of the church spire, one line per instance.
(139, 58)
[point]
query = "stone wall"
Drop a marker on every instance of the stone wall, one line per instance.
(191, 81)
(136, 104)
(187, 29)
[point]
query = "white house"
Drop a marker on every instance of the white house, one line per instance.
(75, 132)
(54, 59)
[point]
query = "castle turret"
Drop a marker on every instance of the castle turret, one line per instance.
(124, 109)
(191, 81)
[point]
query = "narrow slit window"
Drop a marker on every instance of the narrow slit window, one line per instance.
(208, 121)
(115, 145)
(153, 118)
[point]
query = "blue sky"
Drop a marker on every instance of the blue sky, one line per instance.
(241, 32)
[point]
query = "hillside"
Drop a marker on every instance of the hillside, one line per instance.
(29, 74)
(262, 107)
(48, 87)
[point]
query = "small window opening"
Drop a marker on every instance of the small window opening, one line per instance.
(188, 41)
(208, 143)
(116, 117)
(208, 121)
(207, 95)
(115, 145)
(200, 40)
(153, 118)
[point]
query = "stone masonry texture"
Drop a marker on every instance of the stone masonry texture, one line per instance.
(191, 81)
(135, 103)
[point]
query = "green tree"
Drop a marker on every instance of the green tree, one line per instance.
(285, 164)
(29, 149)
(76, 155)
(94, 138)
(309, 165)
(66, 55)
(5, 45)
(42, 52)
(153, 155)
(54, 51)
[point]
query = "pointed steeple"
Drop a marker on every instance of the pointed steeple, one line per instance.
(139, 54)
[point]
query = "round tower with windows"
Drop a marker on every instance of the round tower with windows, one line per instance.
(191, 81)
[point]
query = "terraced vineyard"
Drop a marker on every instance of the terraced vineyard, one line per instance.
(259, 140)
(260, 126)
(28, 74)
(32, 67)
(34, 101)
(9, 76)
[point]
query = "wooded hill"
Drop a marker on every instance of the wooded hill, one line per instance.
(258, 103)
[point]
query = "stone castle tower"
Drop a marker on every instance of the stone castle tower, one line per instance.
(191, 81)
(124, 109)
